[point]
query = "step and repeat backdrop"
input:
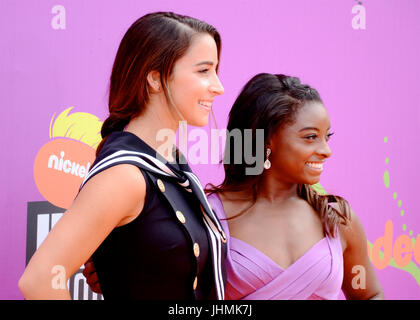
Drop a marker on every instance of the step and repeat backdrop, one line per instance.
(362, 56)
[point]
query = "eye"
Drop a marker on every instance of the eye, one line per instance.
(204, 70)
(311, 137)
(329, 136)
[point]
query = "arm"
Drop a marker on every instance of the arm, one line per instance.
(104, 203)
(360, 281)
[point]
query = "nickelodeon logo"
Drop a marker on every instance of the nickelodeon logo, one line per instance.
(67, 166)
(62, 163)
(402, 251)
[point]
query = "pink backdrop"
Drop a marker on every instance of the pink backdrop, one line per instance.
(369, 80)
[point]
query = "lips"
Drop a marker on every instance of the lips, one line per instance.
(205, 104)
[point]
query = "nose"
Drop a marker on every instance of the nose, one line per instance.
(324, 149)
(216, 86)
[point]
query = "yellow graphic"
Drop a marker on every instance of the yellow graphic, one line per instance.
(80, 126)
(404, 247)
(63, 162)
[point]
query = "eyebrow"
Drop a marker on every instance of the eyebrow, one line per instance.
(205, 62)
(311, 128)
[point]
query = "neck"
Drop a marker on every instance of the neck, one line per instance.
(156, 126)
(271, 190)
(276, 190)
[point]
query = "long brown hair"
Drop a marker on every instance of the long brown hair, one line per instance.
(270, 101)
(153, 42)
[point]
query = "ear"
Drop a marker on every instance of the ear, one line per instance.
(153, 80)
(272, 141)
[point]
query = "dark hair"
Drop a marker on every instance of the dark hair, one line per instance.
(153, 42)
(269, 102)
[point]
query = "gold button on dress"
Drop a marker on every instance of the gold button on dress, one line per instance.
(161, 185)
(180, 216)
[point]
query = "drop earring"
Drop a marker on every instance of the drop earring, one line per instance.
(267, 163)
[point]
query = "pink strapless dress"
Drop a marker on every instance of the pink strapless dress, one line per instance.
(252, 275)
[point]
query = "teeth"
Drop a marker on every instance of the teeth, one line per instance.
(315, 165)
(205, 104)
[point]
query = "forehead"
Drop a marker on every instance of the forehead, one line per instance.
(311, 114)
(202, 48)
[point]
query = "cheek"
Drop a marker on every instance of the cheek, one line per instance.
(292, 157)
(302, 151)
(204, 83)
(191, 89)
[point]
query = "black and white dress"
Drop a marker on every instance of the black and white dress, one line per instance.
(175, 249)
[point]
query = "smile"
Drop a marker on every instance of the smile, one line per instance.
(315, 165)
(205, 104)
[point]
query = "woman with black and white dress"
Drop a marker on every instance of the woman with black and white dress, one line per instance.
(139, 213)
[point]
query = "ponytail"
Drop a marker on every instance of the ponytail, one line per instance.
(115, 122)
(330, 216)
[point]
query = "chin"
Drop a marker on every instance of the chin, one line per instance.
(199, 122)
(312, 181)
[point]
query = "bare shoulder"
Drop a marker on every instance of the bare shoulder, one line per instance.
(352, 234)
(121, 173)
(234, 202)
(122, 178)
(120, 189)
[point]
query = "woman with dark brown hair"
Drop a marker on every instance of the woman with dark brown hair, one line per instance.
(285, 240)
(140, 214)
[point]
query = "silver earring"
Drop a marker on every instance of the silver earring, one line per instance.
(267, 163)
